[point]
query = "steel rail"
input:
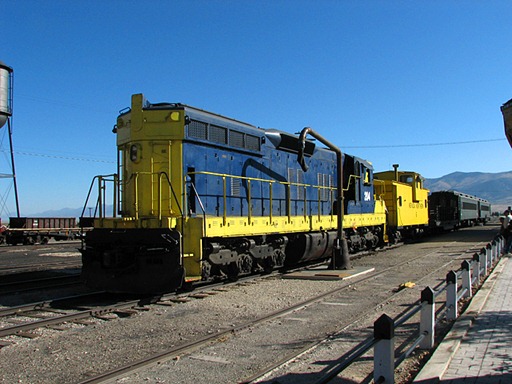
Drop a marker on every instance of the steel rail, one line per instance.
(348, 358)
(43, 283)
(17, 268)
(8, 331)
(188, 347)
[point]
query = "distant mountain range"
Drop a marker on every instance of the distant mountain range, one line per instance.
(495, 187)
(64, 212)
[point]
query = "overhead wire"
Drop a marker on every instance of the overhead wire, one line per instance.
(61, 157)
(423, 144)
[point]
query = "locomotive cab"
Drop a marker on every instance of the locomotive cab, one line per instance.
(143, 233)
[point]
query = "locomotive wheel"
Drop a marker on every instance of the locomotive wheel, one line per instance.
(233, 271)
(268, 265)
(28, 241)
(245, 264)
(206, 270)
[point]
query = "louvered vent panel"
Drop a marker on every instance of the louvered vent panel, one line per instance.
(252, 142)
(218, 134)
(197, 129)
(236, 139)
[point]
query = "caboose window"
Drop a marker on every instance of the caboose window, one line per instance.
(408, 179)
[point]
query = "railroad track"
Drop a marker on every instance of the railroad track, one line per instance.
(70, 309)
(5, 270)
(204, 341)
(404, 340)
(232, 331)
(55, 312)
(19, 286)
(263, 373)
(35, 258)
(35, 246)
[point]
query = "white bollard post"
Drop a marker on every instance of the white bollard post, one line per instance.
(451, 295)
(487, 257)
(384, 350)
(428, 318)
(466, 279)
(476, 267)
(483, 269)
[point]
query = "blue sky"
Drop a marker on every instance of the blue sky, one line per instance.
(384, 80)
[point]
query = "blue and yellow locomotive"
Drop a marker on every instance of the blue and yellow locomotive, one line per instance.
(199, 196)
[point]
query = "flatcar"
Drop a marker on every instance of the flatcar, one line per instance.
(451, 210)
(199, 197)
(406, 202)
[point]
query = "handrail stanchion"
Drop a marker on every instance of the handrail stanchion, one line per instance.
(115, 199)
(451, 295)
(384, 350)
(100, 195)
(466, 279)
(486, 260)
(428, 318)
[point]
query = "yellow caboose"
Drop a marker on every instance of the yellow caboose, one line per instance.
(406, 202)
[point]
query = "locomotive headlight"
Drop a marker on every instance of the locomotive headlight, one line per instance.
(134, 153)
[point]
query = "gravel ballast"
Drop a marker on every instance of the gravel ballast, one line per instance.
(73, 355)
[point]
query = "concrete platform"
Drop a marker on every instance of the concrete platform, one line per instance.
(328, 274)
(478, 348)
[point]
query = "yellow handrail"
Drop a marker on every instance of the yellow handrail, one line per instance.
(287, 185)
(161, 175)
